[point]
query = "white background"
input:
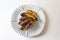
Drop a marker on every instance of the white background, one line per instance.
(52, 12)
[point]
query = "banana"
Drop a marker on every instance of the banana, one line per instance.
(27, 19)
(20, 23)
(27, 26)
(32, 13)
(29, 15)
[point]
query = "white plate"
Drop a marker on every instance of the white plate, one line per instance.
(36, 28)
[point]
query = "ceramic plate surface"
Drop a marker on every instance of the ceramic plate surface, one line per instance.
(37, 26)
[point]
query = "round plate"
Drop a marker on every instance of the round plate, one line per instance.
(37, 26)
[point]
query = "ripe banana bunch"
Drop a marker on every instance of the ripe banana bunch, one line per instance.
(27, 19)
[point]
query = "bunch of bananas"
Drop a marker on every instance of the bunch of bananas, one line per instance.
(27, 18)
